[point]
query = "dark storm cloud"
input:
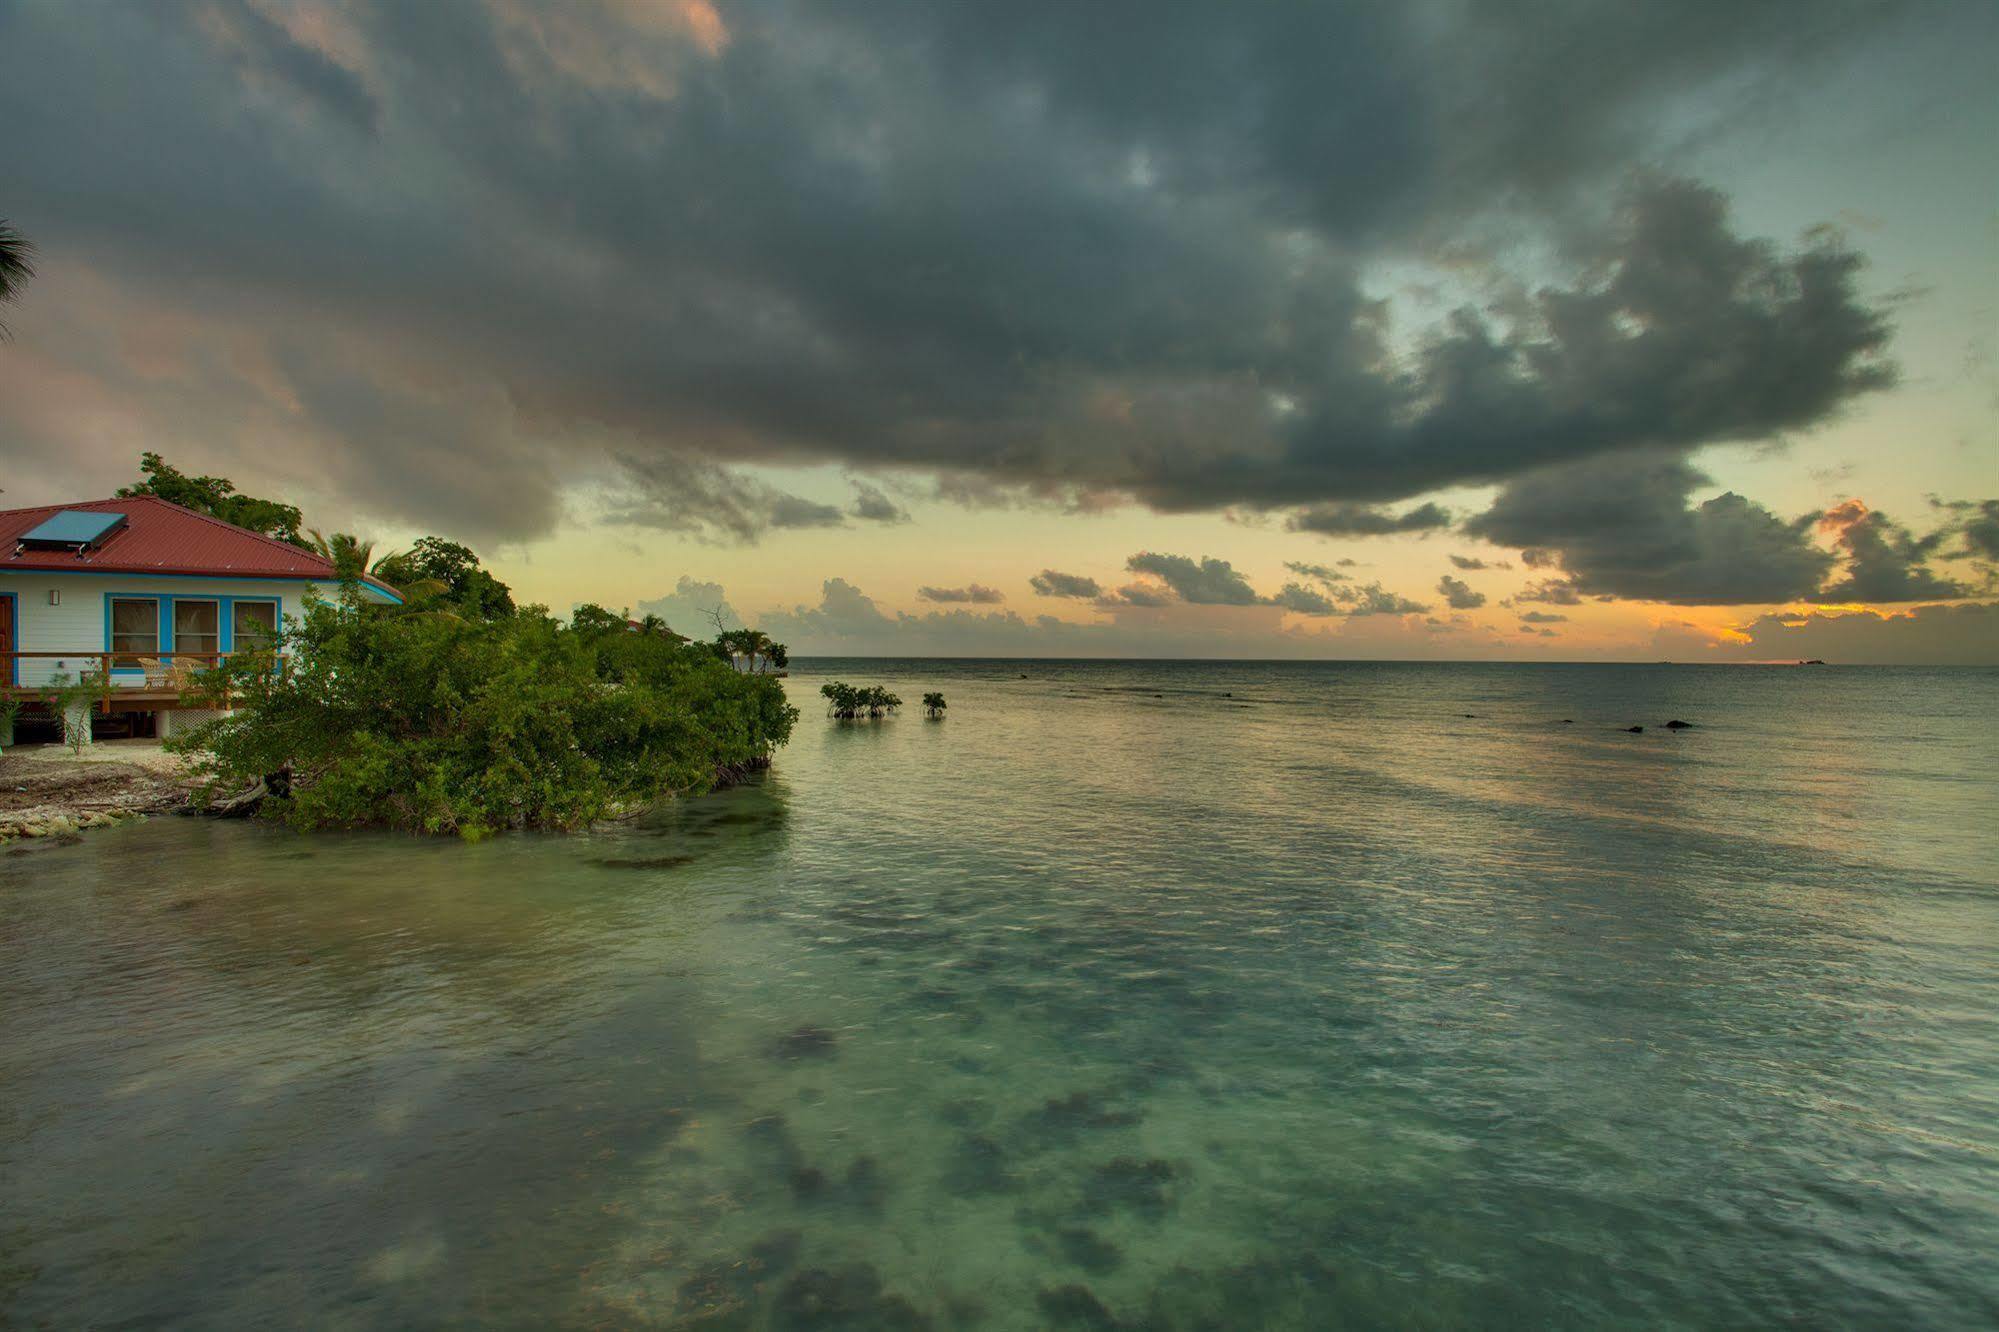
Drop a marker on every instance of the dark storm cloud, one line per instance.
(1204, 582)
(972, 594)
(1325, 573)
(1541, 617)
(1470, 563)
(1065, 251)
(257, 48)
(679, 492)
(1977, 521)
(1212, 582)
(1345, 519)
(1458, 594)
(1623, 526)
(872, 505)
(1885, 561)
(1051, 583)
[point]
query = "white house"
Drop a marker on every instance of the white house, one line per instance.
(143, 591)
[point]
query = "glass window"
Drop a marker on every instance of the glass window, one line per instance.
(253, 624)
(197, 627)
(135, 627)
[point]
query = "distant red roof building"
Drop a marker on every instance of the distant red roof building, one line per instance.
(158, 537)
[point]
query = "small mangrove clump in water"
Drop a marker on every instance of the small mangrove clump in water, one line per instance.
(933, 704)
(845, 702)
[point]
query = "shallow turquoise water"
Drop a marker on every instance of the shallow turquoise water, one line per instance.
(1170, 996)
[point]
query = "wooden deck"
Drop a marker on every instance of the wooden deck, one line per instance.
(123, 681)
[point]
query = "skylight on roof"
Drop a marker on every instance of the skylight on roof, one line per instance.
(73, 529)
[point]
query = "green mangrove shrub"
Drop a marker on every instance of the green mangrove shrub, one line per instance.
(933, 704)
(848, 703)
(450, 723)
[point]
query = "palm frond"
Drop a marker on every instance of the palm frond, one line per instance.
(16, 265)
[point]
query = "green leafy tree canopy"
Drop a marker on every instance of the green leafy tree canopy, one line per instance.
(217, 496)
(456, 573)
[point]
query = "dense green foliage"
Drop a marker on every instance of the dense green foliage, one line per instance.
(848, 703)
(442, 723)
(933, 703)
(446, 576)
(217, 497)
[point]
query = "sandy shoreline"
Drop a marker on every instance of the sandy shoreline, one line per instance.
(46, 791)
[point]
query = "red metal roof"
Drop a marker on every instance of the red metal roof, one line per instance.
(159, 537)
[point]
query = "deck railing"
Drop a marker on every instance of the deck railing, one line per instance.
(132, 675)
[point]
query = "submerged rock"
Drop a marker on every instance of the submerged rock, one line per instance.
(966, 1112)
(1062, 1118)
(807, 1042)
(867, 1187)
(1293, 1289)
(978, 1166)
(1089, 1250)
(646, 862)
(777, 1250)
(1677, 725)
(1129, 1184)
(851, 1297)
(723, 1288)
(771, 1145)
(1635, 730)
(1074, 1306)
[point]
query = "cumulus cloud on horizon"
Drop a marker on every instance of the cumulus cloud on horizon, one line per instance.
(1051, 583)
(972, 594)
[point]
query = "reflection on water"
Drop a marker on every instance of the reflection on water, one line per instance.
(1176, 996)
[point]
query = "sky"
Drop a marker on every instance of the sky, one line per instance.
(1441, 329)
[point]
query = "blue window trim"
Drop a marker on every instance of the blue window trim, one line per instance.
(163, 626)
(14, 663)
(225, 627)
(393, 598)
(229, 604)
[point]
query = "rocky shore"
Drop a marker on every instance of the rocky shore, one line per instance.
(47, 792)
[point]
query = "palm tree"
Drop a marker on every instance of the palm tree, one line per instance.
(343, 549)
(16, 265)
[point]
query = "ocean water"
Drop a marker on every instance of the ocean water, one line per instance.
(1129, 995)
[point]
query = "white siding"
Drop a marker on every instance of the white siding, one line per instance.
(78, 623)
